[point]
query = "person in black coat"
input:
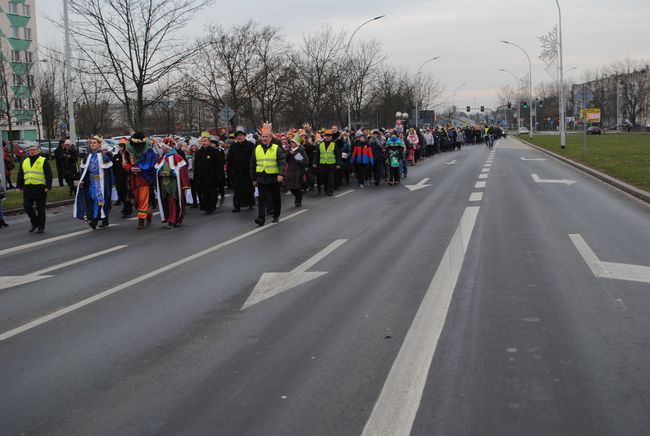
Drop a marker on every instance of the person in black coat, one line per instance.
(66, 164)
(239, 157)
(122, 182)
(210, 175)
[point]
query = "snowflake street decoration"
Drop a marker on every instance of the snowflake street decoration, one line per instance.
(549, 52)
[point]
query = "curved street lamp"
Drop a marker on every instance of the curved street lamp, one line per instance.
(453, 96)
(417, 114)
(518, 82)
(347, 49)
(530, 84)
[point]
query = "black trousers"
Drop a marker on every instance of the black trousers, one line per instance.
(362, 173)
(326, 174)
(36, 218)
(376, 170)
(269, 194)
(297, 193)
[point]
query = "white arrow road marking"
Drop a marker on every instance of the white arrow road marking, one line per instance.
(531, 160)
(47, 241)
(421, 184)
(399, 401)
(11, 281)
(558, 181)
(610, 270)
(78, 305)
(272, 284)
(451, 163)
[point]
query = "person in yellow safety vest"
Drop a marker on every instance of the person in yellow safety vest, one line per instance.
(34, 180)
(327, 159)
(267, 170)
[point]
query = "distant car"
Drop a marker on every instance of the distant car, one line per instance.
(82, 146)
(17, 150)
(524, 131)
(48, 147)
(594, 130)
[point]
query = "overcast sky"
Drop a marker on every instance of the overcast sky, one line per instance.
(464, 33)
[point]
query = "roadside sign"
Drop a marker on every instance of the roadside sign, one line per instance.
(590, 115)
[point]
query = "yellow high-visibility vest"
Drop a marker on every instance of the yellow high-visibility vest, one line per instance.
(34, 174)
(267, 162)
(327, 154)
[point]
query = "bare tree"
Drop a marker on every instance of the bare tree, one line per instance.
(266, 79)
(220, 69)
(318, 66)
(133, 45)
(92, 101)
(361, 70)
(634, 79)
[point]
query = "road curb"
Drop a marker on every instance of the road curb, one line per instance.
(47, 206)
(626, 187)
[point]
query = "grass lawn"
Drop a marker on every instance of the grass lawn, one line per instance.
(15, 199)
(624, 156)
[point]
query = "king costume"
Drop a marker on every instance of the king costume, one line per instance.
(140, 161)
(172, 180)
(93, 198)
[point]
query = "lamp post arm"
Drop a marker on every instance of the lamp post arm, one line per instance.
(357, 29)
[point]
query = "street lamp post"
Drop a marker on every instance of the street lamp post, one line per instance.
(347, 50)
(417, 113)
(518, 82)
(561, 67)
(72, 128)
(453, 106)
(530, 84)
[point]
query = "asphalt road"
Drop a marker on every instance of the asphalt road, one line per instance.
(515, 308)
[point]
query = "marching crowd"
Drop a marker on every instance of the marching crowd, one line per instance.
(170, 174)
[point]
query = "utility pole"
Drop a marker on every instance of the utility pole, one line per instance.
(72, 128)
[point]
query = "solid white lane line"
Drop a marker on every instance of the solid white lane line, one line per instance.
(75, 261)
(47, 241)
(480, 184)
(135, 281)
(483, 176)
(343, 194)
(399, 401)
(476, 196)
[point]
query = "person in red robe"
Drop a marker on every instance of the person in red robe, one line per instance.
(172, 180)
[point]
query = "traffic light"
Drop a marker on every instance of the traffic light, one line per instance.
(468, 108)
(524, 105)
(509, 105)
(540, 104)
(482, 108)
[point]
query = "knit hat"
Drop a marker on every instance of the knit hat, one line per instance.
(138, 138)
